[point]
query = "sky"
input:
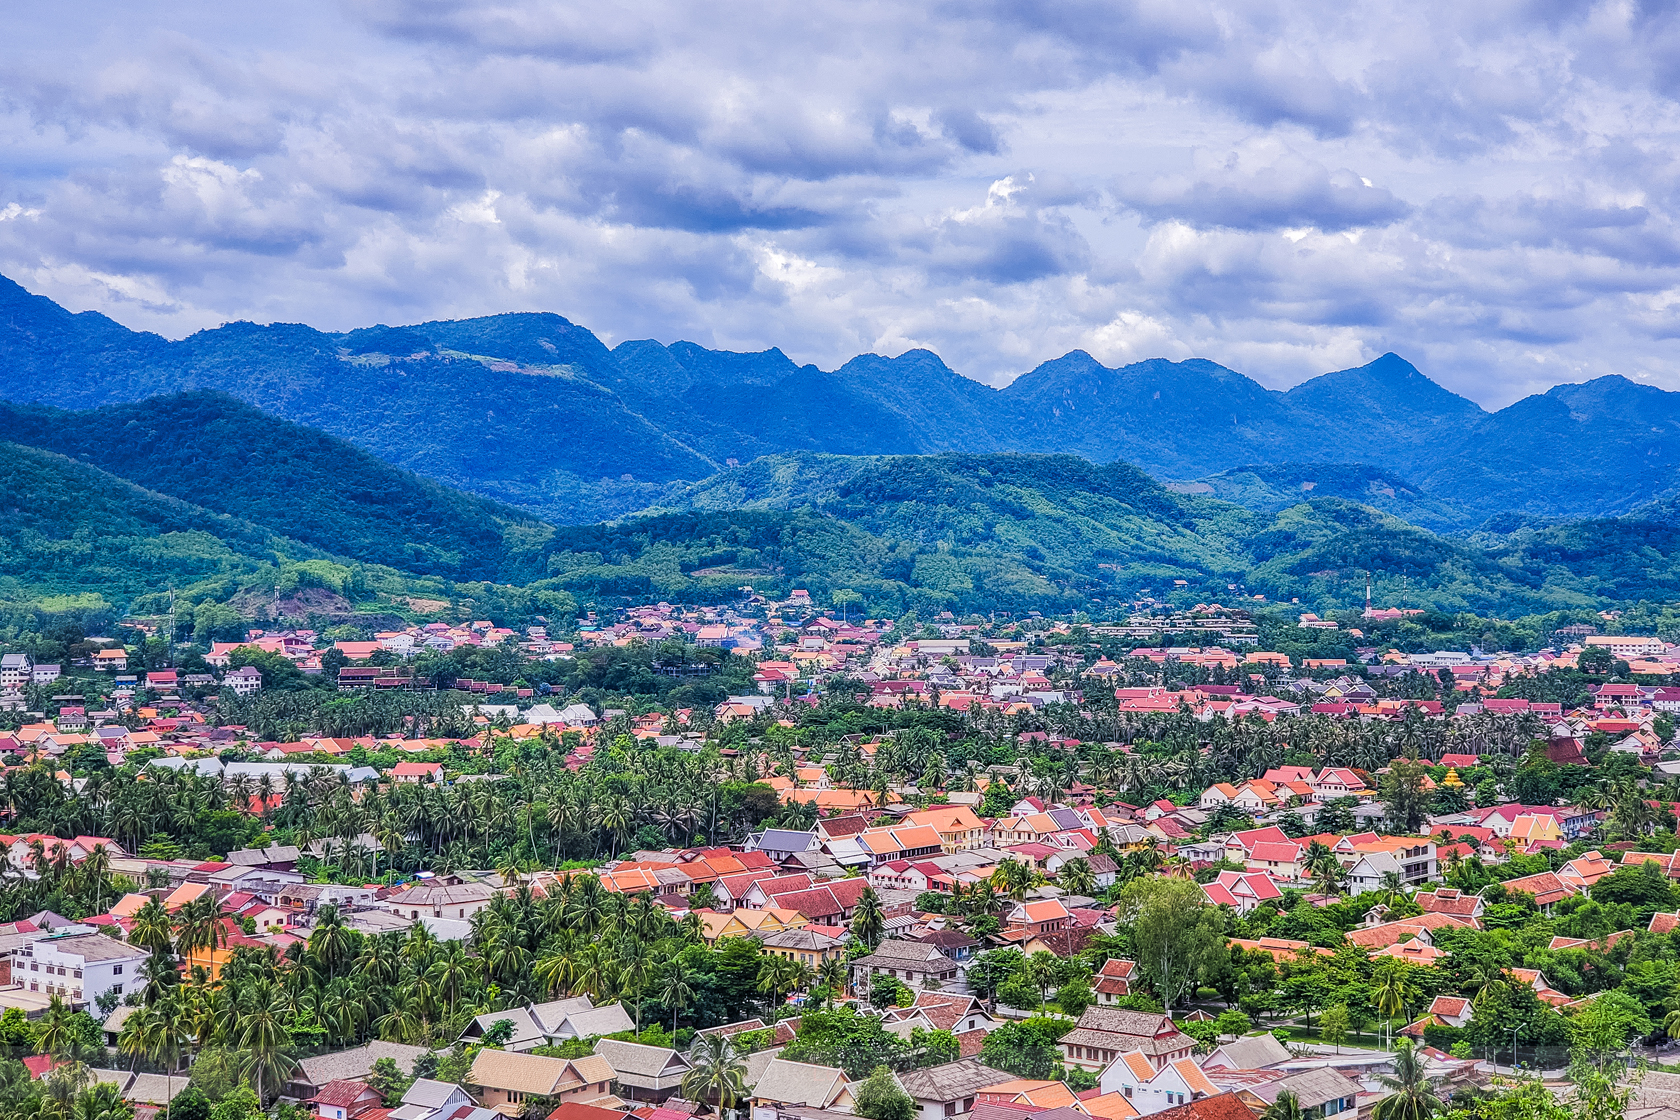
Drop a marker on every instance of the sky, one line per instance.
(1487, 189)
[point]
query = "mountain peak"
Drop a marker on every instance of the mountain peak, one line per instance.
(1390, 387)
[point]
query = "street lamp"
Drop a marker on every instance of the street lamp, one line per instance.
(1514, 1032)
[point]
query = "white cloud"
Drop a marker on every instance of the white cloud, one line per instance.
(1487, 189)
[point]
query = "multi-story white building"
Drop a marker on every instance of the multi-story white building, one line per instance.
(79, 966)
(16, 671)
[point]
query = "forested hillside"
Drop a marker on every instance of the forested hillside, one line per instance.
(77, 540)
(215, 452)
(535, 411)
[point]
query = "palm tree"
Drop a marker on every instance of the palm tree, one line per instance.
(1322, 865)
(54, 1036)
(675, 994)
(869, 925)
(330, 941)
(263, 1035)
(1286, 1107)
(832, 973)
(1076, 877)
(152, 930)
(714, 1072)
(635, 969)
(1671, 1025)
(1484, 979)
(1412, 1096)
(1390, 996)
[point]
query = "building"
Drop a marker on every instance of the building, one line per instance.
(345, 1100)
(545, 1024)
(805, 946)
(1321, 1093)
(440, 898)
(81, 967)
(943, 1092)
(343, 1065)
(800, 1085)
(916, 964)
(506, 1078)
(1114, 980)
(1104, 1033)
(243, 682)
(436, 1100)
(647, 1074)
(1627, 646)
(1150, 1089)
(16, 670)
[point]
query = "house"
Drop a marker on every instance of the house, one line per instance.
(806, 1086)
(343, 1065)
(1223, 1106)
(1547, 888)
(444, 897)
(345, 1100)
(1241, 890)
(1114, 980)
(959, 830)
(805, 946)
(1150, 1089)
(16, 670)
(1453, 1011)
(644, 1073)
(1321, 1093)
(438, 1100)
(1104, 1033)
(508, 1078)
(426, 773)
(111, 660)
(542, 1024)
(916, 964)
(244, 681)
(949, 1090)
(1452, 902)
(1260, 1051)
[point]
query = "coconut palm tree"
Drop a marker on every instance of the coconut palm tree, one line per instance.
(1412, 1097)
(676, 993)
(1286, 1107)
(1076, 877)
(263, 1035)
(1390, 996)
(714, 1072)
(869, 925)
(152, 930)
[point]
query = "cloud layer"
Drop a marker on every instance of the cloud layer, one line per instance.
(1285, 188)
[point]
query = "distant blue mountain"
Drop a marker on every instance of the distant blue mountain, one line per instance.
(534, 410)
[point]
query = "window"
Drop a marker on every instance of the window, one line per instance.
(950, 1108)
(116, 970)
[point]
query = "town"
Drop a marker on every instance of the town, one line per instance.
(769, 859)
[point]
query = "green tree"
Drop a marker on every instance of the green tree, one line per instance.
(1174, 930)
(1333, 1026)
(881, 1098)
(1403, 795)
(1026, 1048)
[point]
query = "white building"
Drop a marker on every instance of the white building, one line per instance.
(79, 966)
(16, 671)
(244, 681)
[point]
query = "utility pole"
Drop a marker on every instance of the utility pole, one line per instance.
(172, 625)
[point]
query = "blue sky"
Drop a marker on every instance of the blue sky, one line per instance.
(1488, 189)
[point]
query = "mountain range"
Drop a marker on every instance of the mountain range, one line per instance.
(233, 516)
(535, 412)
